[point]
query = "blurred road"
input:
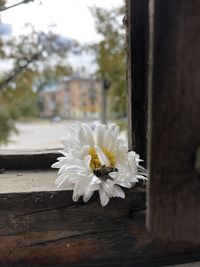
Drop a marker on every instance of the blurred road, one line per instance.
(41, 134)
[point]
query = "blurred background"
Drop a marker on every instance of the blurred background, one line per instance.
(60, 61)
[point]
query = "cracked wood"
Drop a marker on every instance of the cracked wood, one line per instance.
(174, 120)
(45, 228)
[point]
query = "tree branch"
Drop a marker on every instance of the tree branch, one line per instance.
(18, 71)
(20, 3)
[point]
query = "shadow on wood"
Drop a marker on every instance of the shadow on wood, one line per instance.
(48, 229)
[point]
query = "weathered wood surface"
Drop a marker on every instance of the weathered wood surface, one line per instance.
(137, 76)
(23, 159)
(27, 181)
(195, 264)
(174, 188)
(48, 229)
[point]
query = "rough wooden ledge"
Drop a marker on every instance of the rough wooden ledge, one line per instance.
(24, 159)
(45, 228)
(22, 181)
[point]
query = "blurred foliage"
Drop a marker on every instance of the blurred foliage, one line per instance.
(52, 75)
(110, 56)
(6, 126)
(49, 48)
(2, 4)
(38, 58)
(17, 101)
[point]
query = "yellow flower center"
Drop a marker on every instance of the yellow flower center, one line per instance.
(95, 164)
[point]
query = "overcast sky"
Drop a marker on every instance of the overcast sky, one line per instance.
(71, 18)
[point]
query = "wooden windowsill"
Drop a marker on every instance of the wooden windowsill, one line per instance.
(41, 226)
(27, 159)
(22, 181)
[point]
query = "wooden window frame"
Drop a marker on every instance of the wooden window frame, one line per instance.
(27, 159)
(47, 228)
(174, 108)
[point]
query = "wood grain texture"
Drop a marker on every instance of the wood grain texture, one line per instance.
(23, 181)
(195, 264)
(24, 159)
(137, 78)
(174, 188)
(45, 228)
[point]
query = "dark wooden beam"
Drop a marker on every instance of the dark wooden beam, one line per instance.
(174, 188)
(46, 228)
(137, 78)
(19, 159)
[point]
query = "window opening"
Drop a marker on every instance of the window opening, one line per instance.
(54, 73)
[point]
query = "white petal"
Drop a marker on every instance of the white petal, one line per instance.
(87, 160)
(61, 177)
(102, 156)
(113, 174)
(103, 197)
(65, 185)
(55, 165)
(100, 131)
(108, 138)
(86, 136)
(88, 195)
(141, 177)
(95, 181)
(61, 170)
(76, 194)
(117, 192)
(90, 135)
(116, 130)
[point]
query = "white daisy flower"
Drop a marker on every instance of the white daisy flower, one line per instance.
(97, 160)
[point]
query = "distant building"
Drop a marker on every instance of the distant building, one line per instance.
(73, 98)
